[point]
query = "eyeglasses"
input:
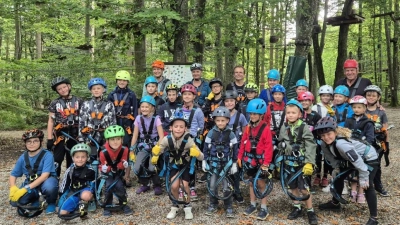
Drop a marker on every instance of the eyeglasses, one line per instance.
(32, 142)
(216, 86)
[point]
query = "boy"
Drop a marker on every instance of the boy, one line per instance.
(373, 95)
(213, 101)
(181, 148)
(151, 88)
(113, 162)
(220, 147)
(324, 108)
(275, 115)
(162, 82)
(63, 118)
(167, 110)
(256, 153)
(251, 91)
(340, 106)
(37, 165)
(301, 86)
(76, 183)
(202, 87)
(273, 77)
(299, 141)
(125, 104)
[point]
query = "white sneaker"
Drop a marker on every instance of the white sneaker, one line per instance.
(326, 189)
(172, 213)
(345, 189)
(188, 213)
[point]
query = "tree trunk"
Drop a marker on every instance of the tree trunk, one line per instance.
(38, 38)
(394, 101)
(319, 68)
(218, 45)
(139, 42)
(342, 41)
(180, 34)
(18, 34)
(263, 22)
(257, 56)
(7, 47)
(360, 44)
(1, 42)
(198, 44)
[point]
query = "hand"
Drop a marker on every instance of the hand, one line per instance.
(50, 144)
(132, 156)
(156, 150)
(154, 160)
(364, 184)
(210, 96)
(194, 151)
(13, 189)
(104, 168)
(239, 163)
(125, 164)
(234, 168)
(204, 166)
(308, 169)
(265, 171)
(18, 194)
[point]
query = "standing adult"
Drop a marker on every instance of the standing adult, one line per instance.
(355, 83)
(201, 84)
(238, 84)
(163, 82)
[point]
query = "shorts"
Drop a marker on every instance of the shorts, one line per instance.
(72, 202)
(185, 175)
(301, 182)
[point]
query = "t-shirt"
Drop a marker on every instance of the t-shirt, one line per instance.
(362, 84)
(147, 121)
(197, 121)
(239, 89)
(57, 107)
(46, 165)
(242, 122)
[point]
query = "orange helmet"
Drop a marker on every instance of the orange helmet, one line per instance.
(158, 64)
(350, 63)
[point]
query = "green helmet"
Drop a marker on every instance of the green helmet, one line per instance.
(81, 147)
(114, 131)
(123, 75)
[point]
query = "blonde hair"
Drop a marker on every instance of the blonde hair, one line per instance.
(343, 132)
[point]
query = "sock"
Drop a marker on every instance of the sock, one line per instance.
(192, 188)
(186, 205)
(263, 206)
(310, 210)
(253, 204)
(297, 206)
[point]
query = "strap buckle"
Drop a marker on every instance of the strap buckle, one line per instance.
(220, 155)
(33, 178)
(96, 127)
(296, 154)
(70, 122)
(118, 113)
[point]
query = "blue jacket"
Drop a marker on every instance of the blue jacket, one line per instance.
(341, 115)
(202, 91)
(219, 141)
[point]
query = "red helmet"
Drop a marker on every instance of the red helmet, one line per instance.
(190, 88)
(158, 64)
(350, 63)
(358, 99)
(306, 95)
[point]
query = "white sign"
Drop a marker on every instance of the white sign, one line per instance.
(178, 74)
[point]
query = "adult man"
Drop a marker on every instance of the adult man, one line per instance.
(239, 83)
(355, 84)
(158, 70)
(201, 85)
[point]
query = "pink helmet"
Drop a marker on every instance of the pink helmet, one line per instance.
(358, 99)
(190, 88)
(306, 95)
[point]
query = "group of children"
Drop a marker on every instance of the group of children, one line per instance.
(162, 138)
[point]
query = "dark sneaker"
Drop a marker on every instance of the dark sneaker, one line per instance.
(330, 206)
(383, 193)
(312, 218)
(127, 210)
(238, 198)
(250, 210)
(372, 222)
(296, 212)
(203, 178)
(158, 191)
(229, 213)
(107, 213)
(142, 189)
(211, 210)
(263, 214)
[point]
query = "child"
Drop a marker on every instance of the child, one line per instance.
(181, 148)
(96, 115)
(256, 153)
(340, 150)
(362, 129)
(76, 183)
(301, 86)
(167, 110)
(125, 104)
(324, 108)
(299, 141)
(63, 118)
(151, 88)
(275, 115)
(220, 146)
(273, 77)
(251, 91)
(162, 82)
(146, 133)
(237, 123)
(202, 87)
(113, 163)
(37, 165)
(340, 106)
(373, 95)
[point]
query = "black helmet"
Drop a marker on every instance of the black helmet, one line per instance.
(215, 80)
(230, 94)
(57, 81)
(324, 125)
(35, 133)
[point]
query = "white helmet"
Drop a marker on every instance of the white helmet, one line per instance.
(325, 89)
(358, 99)
(373, 88)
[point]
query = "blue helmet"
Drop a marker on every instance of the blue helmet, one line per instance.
(149, 80)
(96, 81)
(342, 90)
(273, 74)
(149, 100)
(278, 88)
(296, 103)
(302, 82)
(257, 106)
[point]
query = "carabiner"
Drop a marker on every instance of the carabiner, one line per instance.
(296, 154)
(220, 155)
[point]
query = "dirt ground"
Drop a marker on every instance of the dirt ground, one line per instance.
(150, 209)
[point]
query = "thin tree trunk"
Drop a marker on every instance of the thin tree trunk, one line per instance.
(263, 22)
(324, 26)
(180, 34)
(394, 101)
(18, 35)
(200, 37)
(218, 45)
(272, 33)
(7, 48)
(304, 26)
(257, 58)
(1, 42)
(360, 44)
(139, 42)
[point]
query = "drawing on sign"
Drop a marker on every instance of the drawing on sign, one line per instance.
(178, 74)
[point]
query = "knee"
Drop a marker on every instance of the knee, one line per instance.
(86, 196)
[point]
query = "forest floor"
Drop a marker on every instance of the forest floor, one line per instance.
(150, 209)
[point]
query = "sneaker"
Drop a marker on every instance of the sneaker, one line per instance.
(188, 213)
(127, 210)
(180, 197)
(372, 222)
(263, 214)
(51, 208)
(172, 213)
(92, 206)
(211, 210)
(203, 178)
(250, 210)
(238, 198)
(317, 181)
(296, 212)
(361, 199)
(158, 191)
(330, 206)
(312, 218)
(229, 213)
(193, 195)
(107, 213)
(353, 196)
(324, 182)
(326, 189)
(142, 189)
(383, 193)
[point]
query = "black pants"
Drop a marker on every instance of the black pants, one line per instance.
(60, 152)
(118, 189)
(378, 176)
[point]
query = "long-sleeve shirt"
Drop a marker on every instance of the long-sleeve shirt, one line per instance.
(114, 157)
(219, 141)
(72, 178)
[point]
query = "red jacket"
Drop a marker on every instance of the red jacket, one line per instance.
(113, 155)
(273, 106)
(264, 146)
